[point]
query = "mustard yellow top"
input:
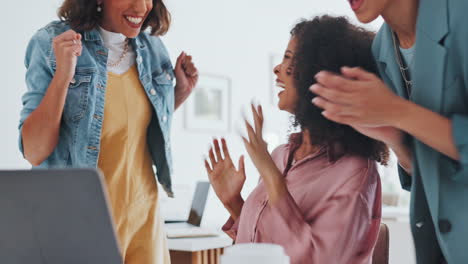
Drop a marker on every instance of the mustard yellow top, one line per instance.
(126, 163)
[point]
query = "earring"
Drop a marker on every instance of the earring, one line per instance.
(99, 8)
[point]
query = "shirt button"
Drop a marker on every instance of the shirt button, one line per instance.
(445, 226)
(139, 59)
(419, 224)
(153, 92)
(164, 118)
(168, 76)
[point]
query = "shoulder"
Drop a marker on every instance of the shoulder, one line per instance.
(457, 7)
(147, 38)
(280, 155)
(55, 28)
(40, 44)
(355, 171)
(46, 34)
(155, 47)
(457, 16)
(280, 151)
(352, 163)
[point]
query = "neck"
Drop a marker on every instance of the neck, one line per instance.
(306, 146)
(401, 16)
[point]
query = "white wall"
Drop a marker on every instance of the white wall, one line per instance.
(18, 23)
(231, 38)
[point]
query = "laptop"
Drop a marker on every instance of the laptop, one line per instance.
(191, 227)
(55, 217)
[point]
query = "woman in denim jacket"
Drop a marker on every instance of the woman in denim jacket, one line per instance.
(100, 94)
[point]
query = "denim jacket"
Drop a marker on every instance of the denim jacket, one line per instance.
(80, 130)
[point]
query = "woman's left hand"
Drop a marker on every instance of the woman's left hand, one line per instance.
(258, 152)
(358, 98)
(186, 75)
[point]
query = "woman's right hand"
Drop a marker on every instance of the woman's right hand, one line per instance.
(227, 182)
(67, 47)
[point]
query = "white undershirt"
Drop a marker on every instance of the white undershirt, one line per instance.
(115, 43)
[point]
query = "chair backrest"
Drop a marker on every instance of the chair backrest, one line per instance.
(381, 250)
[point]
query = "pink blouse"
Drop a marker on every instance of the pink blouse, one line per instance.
(330, 215)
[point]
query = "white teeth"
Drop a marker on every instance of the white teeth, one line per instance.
(282, 85)
(134, 20)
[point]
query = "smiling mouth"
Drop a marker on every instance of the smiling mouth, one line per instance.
(355, 4)
(280, 84)
(133, 20)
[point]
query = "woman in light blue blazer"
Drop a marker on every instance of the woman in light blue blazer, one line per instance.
(419, 108)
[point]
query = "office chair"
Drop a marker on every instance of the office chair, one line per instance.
(381, 250)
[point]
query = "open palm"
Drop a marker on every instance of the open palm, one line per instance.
(226, 180)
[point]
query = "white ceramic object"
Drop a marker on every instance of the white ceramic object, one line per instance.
(254, 254)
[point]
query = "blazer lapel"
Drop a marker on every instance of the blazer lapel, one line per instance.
(387, 61)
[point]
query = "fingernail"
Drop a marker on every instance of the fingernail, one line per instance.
(314, 101)
(318, 75)
(313, 87)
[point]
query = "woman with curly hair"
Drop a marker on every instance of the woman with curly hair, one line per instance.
(319, 195)
(418, 106)
(100, 94)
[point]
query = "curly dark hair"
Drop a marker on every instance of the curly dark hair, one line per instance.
(83, 16)
(328, 43)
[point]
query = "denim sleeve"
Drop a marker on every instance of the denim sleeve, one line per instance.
(39, 74)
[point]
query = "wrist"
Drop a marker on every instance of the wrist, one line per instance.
(62, 80)
(400, 109)
(234, 206)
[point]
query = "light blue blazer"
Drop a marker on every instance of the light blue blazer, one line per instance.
(439, 185)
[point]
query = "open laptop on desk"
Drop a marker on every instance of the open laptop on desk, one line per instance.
(191, 227)
(55, 217)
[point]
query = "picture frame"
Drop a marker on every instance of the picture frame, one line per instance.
(208, 108)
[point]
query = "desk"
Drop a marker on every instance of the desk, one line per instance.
(201, 250)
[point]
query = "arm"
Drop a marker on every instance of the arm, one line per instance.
(40, 131)
(368, 102)
(429, 127)
(42, 108)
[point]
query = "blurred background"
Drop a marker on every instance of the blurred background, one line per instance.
(235, 45)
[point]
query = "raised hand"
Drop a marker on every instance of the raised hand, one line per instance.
(255, 145)
(258, 152)
(67, 48)
(186, 78)
(356, 98)
(227, 181)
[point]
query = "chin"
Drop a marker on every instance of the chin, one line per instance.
(366, 18)
(132, 33)
(282, 107)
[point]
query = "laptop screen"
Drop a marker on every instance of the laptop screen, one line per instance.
(198, 203)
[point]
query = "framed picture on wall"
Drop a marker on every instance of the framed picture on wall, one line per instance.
(209, 106)
(273, 60)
